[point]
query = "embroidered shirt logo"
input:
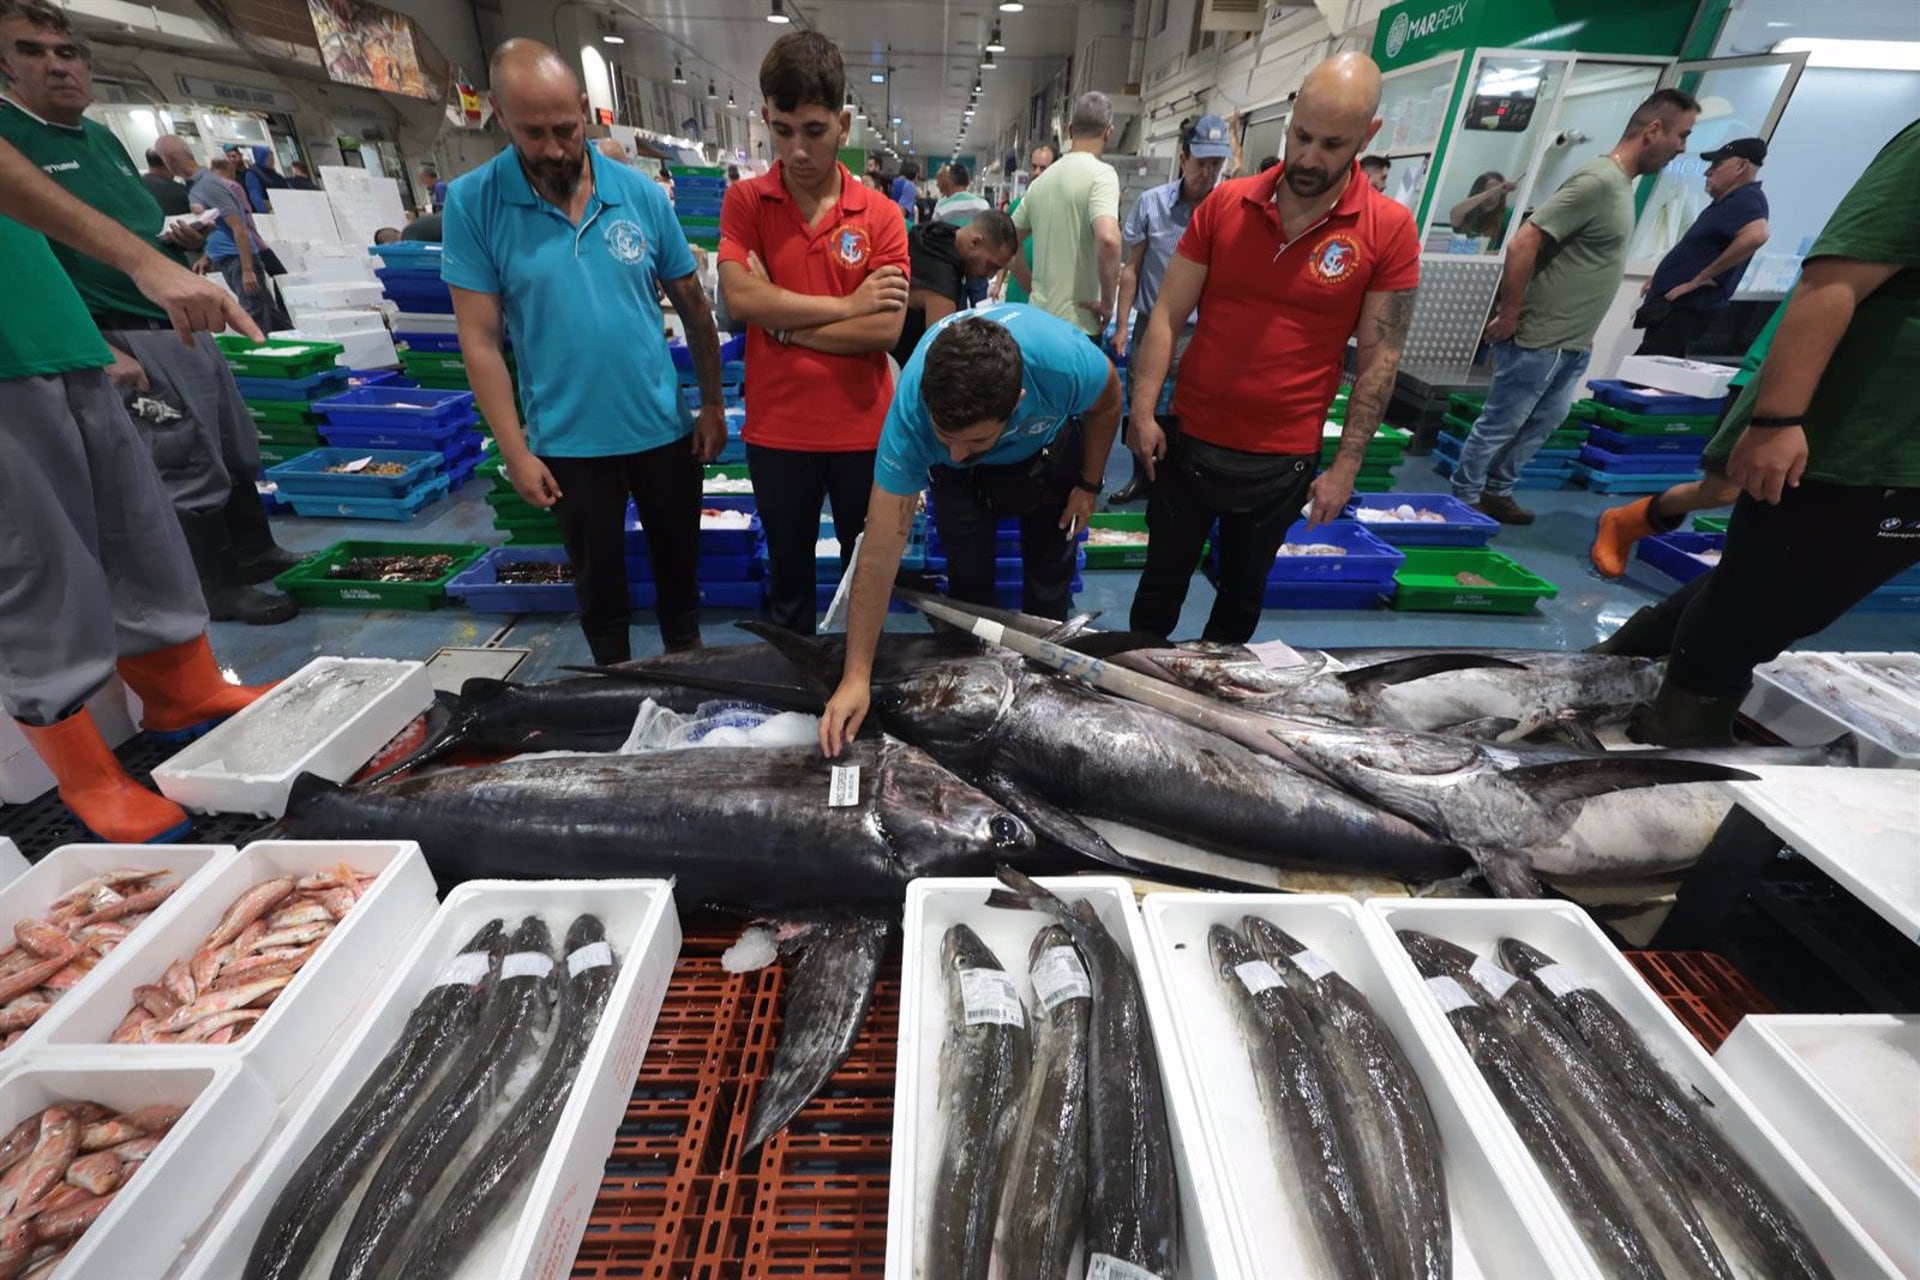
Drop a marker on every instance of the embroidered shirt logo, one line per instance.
(850, 247)
(1334, 259)
(626, 242)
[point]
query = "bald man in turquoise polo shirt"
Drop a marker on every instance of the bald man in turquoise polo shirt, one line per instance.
(568, 251)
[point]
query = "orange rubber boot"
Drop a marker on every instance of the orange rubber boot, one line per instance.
(93, 786)
(182, 692)
(1620, 528)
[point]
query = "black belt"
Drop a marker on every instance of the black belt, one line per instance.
(108, 321)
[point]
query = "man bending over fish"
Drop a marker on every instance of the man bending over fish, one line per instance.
(1003, 411)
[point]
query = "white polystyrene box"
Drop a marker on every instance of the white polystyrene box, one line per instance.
(1565, 932)
(199, 776)
(1682, 377)
(539, 1232)
(933, 906)
(1504, 1218)
(288, 1042)
(1880, 717)
(13, 863)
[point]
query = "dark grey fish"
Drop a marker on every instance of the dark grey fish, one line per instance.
(1304, 1109)
(741, 827)
(435, 1033)
(1763, 1229)
(983, 1071)
(1393, 1138)
(514, 1151)
(827, 987)
(1043, 1195)
(1557, 1145)
(1133, 1191)
(401, 1191)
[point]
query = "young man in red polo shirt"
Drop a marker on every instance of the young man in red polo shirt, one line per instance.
(816, 264)
(1284, 266)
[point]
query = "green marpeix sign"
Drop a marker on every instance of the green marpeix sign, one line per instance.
(1420, 29)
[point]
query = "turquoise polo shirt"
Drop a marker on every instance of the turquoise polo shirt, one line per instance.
(1062, 373)
(581, 302)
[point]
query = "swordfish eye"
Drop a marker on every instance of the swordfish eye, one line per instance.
(1005, 830)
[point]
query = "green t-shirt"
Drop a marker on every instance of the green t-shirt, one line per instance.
(1728, 433)
(91, 164)
(1863, 425)
(1589, 221)
(1014, 292)
(1060, 210)
(43, 327)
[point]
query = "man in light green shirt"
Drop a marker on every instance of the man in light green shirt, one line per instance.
(1563, 267)
(1072, 214)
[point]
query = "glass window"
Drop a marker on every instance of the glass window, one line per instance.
(1509, 101)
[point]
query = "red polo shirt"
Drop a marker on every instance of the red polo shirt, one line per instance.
(797, 398)
(1267, 354)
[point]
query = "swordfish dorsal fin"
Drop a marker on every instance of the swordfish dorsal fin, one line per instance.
(1403, 670)
(815, 665)
(1555, 784)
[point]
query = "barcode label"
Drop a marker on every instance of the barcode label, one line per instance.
(595, 955)
(1058, 976)
(987, 995)
(1449, 993)
(1494, 980)
(843, 786)
(465, 969)
(1560, 980)
(1311, 963)
(1257, 976)
(526, 964)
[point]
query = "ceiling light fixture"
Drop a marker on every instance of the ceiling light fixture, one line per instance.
(679, 75)
(778, 14)
(993, 41)
(712, 92)
(1011, 6)
(987, 63)
(730, 103)
(898, 120)
(876, 77)
(1859, 55)
(613, 38)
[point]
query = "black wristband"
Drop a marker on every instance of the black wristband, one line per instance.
(1779, 420)
(1085, 487)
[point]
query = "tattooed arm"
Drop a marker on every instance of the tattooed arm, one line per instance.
(703, 340)
(1384, 318)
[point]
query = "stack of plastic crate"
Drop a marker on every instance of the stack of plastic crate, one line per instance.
(343, 484)
(1009, 566)
(409, 418)
(1644, 440)
(698, 190)
(280, 379)
(1357, 573)
(1551, 467)
(730, 560)
(522, 522)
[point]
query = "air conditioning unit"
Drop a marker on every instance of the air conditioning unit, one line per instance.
(1232, 15)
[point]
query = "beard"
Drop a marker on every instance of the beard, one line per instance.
(1308, 183)
(556, 179)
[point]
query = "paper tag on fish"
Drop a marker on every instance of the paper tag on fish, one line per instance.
(1276, 654)
(987, 995)
(843, 786)
(595, 955)
(1449, 993)
(1104, 1266)
(1560, 980)
(1058, 976)
(1494, 980)
(465, 969)
(1257, 976)
(358, 464)
(1311, 963)
(526, 964)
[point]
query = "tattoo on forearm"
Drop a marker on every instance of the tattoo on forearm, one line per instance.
(703, 338)
(1373, 384)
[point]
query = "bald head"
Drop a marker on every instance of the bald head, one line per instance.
(522, 64)
(614, 150)
(176, 155)
(538, 97)
(1334, 117)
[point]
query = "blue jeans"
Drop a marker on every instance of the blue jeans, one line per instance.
(1530, 396)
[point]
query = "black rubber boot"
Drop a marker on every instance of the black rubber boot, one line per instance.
(261, 557)
(1647, 634)
(229, 599)
(1134, 490)
(1676, 718)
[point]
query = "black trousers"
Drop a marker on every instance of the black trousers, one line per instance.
(1675, 334)
(1252, 498)
(665, 485)
(1788, 571)
(788, 486)
(968, 502)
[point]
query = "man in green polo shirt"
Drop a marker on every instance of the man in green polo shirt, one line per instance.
(184, 398)
(93, 571)
(1829, 464)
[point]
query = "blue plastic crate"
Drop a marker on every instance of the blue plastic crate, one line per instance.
(409, 254)
(453, 442)
(429, 341)
(1555, 477)
(307, 476)
(1464, 527)
(1673, 553)
(733, 595)
(1637, 399)
(712, 568)
(1618, 442)
(404, 508)
(312, 387)
(411, 276)
(1325, 595)
(480, 586)
(733, 349)
(713, 542)
(460, 470)
(1621, 464)
(823, 597)
(1367, 559)
(1631, 481)
(378, 408)
(374, 378)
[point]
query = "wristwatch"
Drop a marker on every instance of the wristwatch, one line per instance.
(1092, 488)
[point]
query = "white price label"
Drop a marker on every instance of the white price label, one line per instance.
(595, 955)
(987, 995)
(1560, 980)
(465, 969)
(1104, 1266)
(1311, 963)
(1058, 976)
(358, 464)
(1449, 993)
(1494, 980)
(1257, 976)
(843, 786)
(526, 964)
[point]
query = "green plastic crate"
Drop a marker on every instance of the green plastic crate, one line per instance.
(435, 363)
(284, 412)
(277, 357)
(1583, 411)
(696, 171)
(1364, 483)
(1466, 404)
(1427, 582)
(1711, 524)
(272, 455)
(690, 221)
(1117, 557)
(1654, 424)
(283, 436)
(534, 538)
(307, 582)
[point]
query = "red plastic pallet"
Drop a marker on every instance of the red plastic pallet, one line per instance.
(1702, 989)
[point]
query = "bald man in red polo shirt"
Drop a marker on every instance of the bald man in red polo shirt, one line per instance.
(1284, 267)
(815, 263)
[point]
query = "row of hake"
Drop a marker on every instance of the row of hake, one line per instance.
(413, 1061)
(1326, 1146)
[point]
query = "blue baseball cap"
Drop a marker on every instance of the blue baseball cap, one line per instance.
(1210, 139)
